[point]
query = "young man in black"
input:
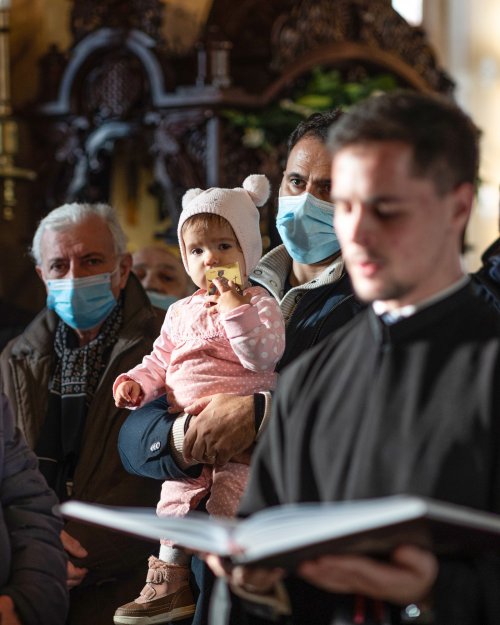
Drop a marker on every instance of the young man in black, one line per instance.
(406, 397)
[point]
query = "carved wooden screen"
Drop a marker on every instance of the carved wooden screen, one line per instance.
(119, 88)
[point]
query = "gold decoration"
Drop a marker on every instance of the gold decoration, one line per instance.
(9, 145)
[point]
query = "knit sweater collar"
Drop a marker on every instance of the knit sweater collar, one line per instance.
(274, 268)
(272, 273)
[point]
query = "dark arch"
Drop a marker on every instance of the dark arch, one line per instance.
(136, 42)
(338, 54)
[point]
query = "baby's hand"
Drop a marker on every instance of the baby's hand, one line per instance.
(230, 295)
(128, 394)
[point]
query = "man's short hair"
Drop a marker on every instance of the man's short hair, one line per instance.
(69, 215)
(316, 125)
(444, 140)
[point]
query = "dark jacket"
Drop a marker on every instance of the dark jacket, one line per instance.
(26, 366)
(319, 313)
(33, 563)
(487, 278)
(377, 410)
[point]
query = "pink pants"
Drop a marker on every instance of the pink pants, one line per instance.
(224, 484)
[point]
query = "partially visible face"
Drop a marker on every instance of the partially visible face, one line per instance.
(399, 238)
(84, 249)
(207, 249)
(308, 169)
(160, 271)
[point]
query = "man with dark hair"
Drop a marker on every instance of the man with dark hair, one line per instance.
(405, 398)
(316, 125)
(438, 144)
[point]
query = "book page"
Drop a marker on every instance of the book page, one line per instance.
(198, 531)
(291, 526)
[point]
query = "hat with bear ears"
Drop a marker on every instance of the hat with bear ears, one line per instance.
(238, 206)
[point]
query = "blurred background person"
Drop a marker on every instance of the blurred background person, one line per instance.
(161, 274)
(33, 563)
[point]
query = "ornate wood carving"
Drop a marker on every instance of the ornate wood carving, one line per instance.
(177, 150)
(88, 16)
(115, 90)
(111, 96)
(249, 30)
(376, 32)
(274, 36)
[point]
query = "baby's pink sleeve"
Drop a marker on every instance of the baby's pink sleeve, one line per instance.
(256, 332)
(151, 373)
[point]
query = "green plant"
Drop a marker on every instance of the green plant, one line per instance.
(324, 90)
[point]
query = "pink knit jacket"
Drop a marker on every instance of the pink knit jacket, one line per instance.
(201, 352)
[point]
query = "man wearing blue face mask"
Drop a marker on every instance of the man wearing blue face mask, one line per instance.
(162, 275)
(58, 374)
(306, 273)
(305, 226)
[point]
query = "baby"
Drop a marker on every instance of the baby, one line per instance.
(226, 342)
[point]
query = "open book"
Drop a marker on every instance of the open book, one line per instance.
(285, 535)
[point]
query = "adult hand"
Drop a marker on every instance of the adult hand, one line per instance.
(8, 614)
(75, 549)
(407, 578)
(250, 579)
(224, 429)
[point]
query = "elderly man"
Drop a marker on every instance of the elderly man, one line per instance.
(33, 570)
(162, 275)
(406, 398)
(59, 373)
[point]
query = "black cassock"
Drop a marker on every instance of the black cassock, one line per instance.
(377, 409)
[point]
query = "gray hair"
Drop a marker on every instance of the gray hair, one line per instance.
(69, 215)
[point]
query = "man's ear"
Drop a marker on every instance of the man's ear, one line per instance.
(39, 272)
(125, 265)
(463, 197)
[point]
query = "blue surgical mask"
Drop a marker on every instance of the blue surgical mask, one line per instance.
(82, 303)
(305, 225)
(161, 300)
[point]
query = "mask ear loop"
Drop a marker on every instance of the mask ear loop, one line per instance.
(115, 270)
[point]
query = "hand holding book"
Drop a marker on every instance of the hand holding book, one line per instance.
(252, 579)
(407, 577)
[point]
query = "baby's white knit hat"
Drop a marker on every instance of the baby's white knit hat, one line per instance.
(238, 206)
